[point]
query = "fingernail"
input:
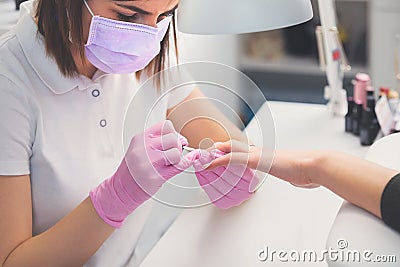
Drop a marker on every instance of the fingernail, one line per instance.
(183, 140)
(217, 153)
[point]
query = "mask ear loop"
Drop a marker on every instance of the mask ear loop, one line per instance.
(87, 6)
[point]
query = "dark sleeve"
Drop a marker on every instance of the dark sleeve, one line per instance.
(390, 203)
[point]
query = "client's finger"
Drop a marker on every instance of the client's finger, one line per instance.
(232, 146)
(307, 186)
(237, 158)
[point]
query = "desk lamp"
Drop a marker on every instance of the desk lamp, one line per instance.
(332, 57)
(246, 16)
(240, 16)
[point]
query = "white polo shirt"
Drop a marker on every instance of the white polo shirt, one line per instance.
(65, 132)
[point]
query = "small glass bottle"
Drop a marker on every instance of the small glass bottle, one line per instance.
(362, 82)
(349, 115)
(369, 126)
(356, 118)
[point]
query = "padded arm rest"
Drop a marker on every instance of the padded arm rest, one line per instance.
(360, 229)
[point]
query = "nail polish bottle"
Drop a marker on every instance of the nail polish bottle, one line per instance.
(356, 118)
(369, 126)
(371, 103)
(349, 115)
(361, 84)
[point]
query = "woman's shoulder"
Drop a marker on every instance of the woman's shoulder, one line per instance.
(14, 85)
(13, 65)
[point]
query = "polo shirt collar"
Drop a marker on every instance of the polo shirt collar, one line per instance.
(46, 68)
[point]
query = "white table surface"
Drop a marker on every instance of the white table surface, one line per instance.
(279, 216)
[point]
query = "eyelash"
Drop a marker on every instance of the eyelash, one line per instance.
(125, 17)
(134, 16)
(168, 14)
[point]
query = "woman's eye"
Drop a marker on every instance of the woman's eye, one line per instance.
(126, 17)
(168, 14)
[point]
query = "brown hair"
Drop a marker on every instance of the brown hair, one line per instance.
(58, 31)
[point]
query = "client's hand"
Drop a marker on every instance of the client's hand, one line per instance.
(226, 186)
(288, 166)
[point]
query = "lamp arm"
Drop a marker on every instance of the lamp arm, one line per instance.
(335, 61)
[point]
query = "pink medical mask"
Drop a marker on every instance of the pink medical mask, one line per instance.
(122, 47)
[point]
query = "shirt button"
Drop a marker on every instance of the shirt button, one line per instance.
(103, 123)
(95, 93)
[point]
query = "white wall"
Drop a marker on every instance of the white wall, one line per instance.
(385, 24)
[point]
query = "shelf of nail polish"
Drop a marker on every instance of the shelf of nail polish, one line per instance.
(369, 117)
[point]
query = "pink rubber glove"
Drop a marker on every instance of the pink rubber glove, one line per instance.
(226, 186)
(152, 158)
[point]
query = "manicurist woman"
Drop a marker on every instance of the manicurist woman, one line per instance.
(69, 194)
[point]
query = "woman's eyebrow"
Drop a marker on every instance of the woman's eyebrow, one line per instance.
(172, 10)
(133, 8)
(137, 9)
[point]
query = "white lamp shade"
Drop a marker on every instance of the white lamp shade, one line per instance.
(240, 16)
